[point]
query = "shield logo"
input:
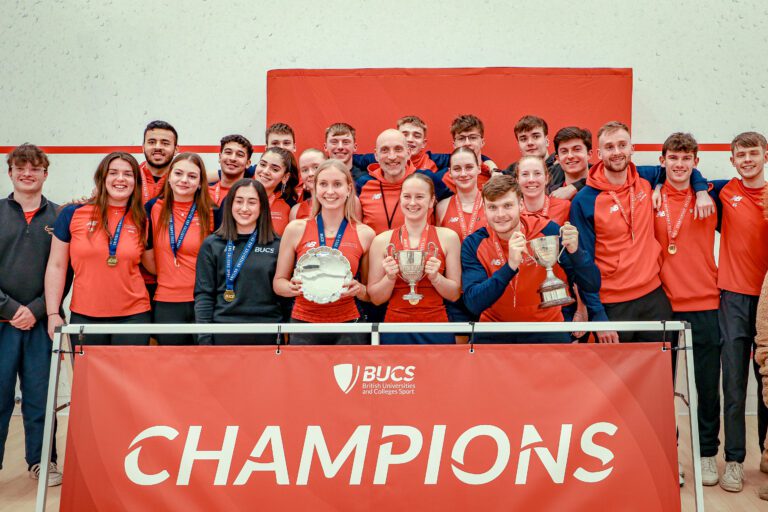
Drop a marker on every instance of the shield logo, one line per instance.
(346, 376)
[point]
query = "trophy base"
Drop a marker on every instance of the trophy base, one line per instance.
(413, 298)
(553, 296)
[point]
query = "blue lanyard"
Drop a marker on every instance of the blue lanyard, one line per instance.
(114, 239)
(321, 232)
(229, 252)
(176, 244)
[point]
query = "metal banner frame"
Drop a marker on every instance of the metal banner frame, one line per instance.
(685, 345)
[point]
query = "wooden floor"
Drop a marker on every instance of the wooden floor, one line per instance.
(18, 491)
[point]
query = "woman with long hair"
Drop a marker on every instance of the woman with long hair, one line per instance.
(178, 221)
(278, 172)
(442, 271)
(309, 162)
(332, 222)
(235, 268)
(103, 240)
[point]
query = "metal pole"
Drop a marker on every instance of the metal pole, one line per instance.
(693, 408)
(50, 417)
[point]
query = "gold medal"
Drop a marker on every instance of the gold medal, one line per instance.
(229, 295)
(672, 248)
(112, 261)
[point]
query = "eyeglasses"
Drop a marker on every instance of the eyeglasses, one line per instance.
(31, 170)
(468, 138)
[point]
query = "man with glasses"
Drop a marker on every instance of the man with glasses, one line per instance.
(26, 225)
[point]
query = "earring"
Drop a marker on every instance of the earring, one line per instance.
(282, 190)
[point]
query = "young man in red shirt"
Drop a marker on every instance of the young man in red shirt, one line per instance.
(160, 146)
(614, 216)
(234, 158)
(743, 264)
(689, 278)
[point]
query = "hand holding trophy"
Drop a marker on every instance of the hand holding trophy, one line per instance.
(410, 264)
(546, 251)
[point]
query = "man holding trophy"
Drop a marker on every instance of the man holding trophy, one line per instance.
(513, 270)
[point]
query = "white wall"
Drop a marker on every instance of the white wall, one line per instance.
(94, 73)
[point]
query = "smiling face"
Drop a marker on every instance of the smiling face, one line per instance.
(416, 199)
(573, 156)
(308, 164)
(749, 162)
(271, 171)
(503, 214)
(464, 171)
(615, 150)
(341, 147)
(159, 147)
(233, 160)
(415, 138)
(332, 188)
(679, 166)
(184, 180)
(246, 209)
(27, 177)
(392, 154)
(532, 177)
(119, 182)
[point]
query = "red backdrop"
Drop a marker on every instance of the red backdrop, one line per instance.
(373, 99)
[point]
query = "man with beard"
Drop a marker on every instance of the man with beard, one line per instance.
(499, 278)
(160, 146)
(234, 158)
(614, 216)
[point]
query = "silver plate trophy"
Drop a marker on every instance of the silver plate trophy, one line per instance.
(411, 263)
(323, 272)
(554, 292)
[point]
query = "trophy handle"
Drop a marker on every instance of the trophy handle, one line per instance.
(431, 248)
(391, 250)
(562, 247)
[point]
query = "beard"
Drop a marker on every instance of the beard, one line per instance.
(161, 165)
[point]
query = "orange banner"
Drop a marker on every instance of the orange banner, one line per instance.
(373, 99)
(571, 427)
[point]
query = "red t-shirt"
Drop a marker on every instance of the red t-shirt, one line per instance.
(431, 307)
(555, 209)
(343, 310)
(149, 187)
(689, 276)
(743, 246)
(175, 283)
(280, 211)
(521, 298)
(30, 214)
(99, 290)
(472, 223)
(218, 192)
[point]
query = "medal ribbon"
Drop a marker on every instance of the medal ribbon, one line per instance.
(217, 192)
(386, 211)
(114, 239)
(339, 234)
(229, 252)
(630, 220)
(672, 233)
(475, 209)
(503, 258)
(176, 244)
(406, 243)
(144, 185)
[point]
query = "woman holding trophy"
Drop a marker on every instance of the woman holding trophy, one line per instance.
(323, 281)
(401, 258)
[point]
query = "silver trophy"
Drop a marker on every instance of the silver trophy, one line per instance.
(554, 292)
(411, 263)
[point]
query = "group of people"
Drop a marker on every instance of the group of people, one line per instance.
(157, 242)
